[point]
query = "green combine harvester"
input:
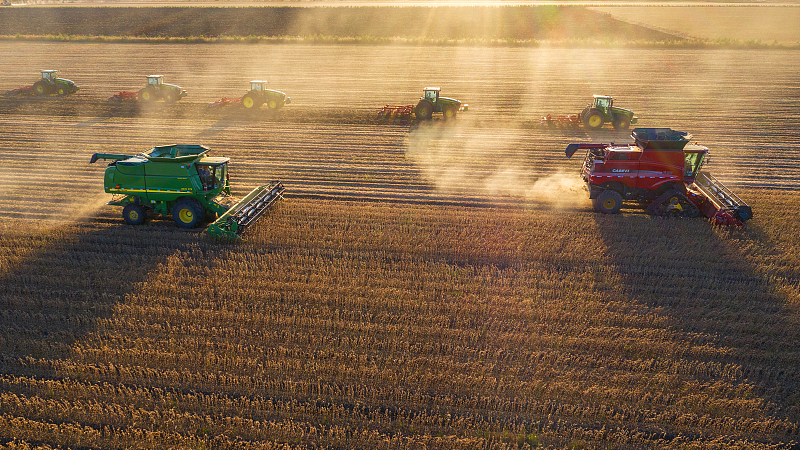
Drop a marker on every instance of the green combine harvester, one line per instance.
(186, 182)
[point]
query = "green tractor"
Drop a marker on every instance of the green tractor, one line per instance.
(156, 89)
(602, 110)
(189, 184)
(51, 84)
(260, 95)
(431, 102)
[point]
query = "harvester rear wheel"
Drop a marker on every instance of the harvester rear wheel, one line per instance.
(188, 213)
(621, 123)
(134, 214)
(593, 119)
(608, 202)
(424, 110)
(41, 88)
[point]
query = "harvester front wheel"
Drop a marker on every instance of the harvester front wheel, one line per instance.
(188, 213)
(134, 214)
(593, 119)
(608, 202)
(621, 123)
(424, 110)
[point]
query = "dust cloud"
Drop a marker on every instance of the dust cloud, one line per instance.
(460, 160)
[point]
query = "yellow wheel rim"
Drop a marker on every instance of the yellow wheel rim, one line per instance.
(609, 203)
(273, 104)
(145, 96)
(247, 102)
(448, 113)
(133, 215)
(61, 91)
(39, 90)
(595, 121)
(186, 215)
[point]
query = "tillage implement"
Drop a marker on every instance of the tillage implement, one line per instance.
(662, 170)
(189, 184)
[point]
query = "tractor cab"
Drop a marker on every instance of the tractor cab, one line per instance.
(155, 80)
(603, 102)
(50, 75)
(258, 85)
(432, 94)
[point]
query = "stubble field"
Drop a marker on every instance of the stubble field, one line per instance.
(446, 287)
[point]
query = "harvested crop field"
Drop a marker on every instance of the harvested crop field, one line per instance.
(447, 286)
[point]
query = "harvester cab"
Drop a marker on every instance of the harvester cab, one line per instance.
(259, 95)
(51, 84)
(189, 184)
(432, 102)
(156, 89)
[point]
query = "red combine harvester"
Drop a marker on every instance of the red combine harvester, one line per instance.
(662, 170)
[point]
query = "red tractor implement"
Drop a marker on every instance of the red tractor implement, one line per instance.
(571, 120)
(662, 170)
(225, 101)
(24, 90)
(396, 113)
(123, 96)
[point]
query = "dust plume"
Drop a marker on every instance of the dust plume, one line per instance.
(496, 165)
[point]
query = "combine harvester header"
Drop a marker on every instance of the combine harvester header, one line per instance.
(662, 169)
(189, 184)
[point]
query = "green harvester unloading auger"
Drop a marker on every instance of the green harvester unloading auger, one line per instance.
(189, 184)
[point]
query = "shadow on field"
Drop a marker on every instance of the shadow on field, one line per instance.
(728, 324)
(62, 280)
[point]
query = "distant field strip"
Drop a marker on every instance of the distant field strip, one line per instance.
(763, 23)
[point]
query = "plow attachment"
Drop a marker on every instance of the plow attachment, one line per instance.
(238, 218)
(717, 202)
(25, 90)
(396, 113)
(225, 101)
(564, 120)
(122, 96)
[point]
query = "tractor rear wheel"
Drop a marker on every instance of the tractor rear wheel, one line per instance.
(250, 101)
(134, 214)
(621, 123)
(593, 119)
(424, 110)
(188, 213)
(608, 202)
(41, 88)
(148, 94)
